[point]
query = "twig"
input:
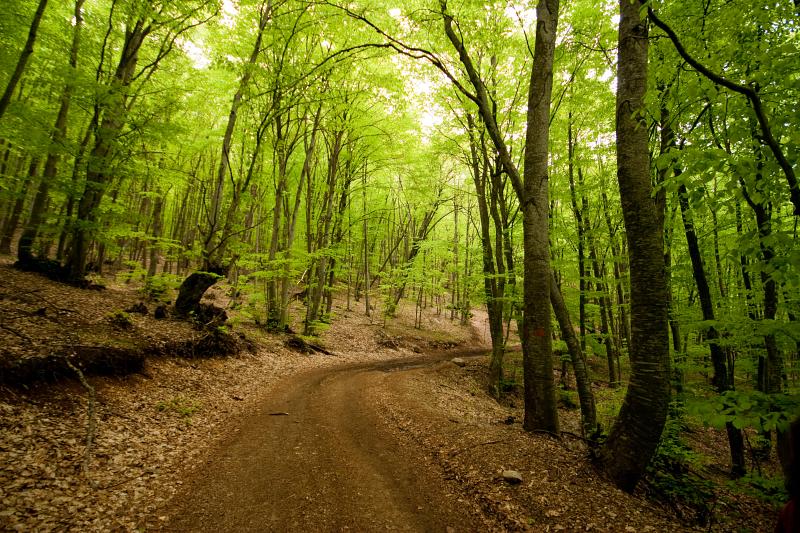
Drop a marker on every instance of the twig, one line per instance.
(124, 481)
(90, 422)
(17, 333)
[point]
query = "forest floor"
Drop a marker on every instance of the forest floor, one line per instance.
(386, 433)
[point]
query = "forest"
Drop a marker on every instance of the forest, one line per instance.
(613, 184)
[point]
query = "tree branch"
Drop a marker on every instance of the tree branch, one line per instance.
(747, 91)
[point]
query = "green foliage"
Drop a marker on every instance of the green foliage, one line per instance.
(568, 399)
(609, 402)
(672, 474)
(159, 288)
(180, 406)
(769, 489)
(747, 409)
(120, 319)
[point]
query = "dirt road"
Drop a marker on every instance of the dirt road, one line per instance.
(316, 456)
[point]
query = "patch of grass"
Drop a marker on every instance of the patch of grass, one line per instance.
(180, 406)
(609, 402)
(120, 319)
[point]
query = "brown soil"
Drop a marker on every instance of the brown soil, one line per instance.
(318, 456)
(385, 434)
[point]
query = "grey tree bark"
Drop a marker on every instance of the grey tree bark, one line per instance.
(637, 429)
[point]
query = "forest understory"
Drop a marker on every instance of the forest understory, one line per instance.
(155, 426)
(231, 197)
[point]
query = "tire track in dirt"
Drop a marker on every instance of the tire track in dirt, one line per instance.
(330, 464)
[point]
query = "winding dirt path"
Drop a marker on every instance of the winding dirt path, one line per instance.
(317, 456)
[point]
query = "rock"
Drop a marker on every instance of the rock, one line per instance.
(512, 477)
(458, 361)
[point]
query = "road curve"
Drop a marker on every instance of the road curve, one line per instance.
(329, 464)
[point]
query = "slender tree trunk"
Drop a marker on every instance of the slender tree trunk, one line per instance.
(215, 241)
(24, 253)
(582, 379)
(604, 304)
(579, 214)
(26, 53)
(12, 223)
(158, 206)
(494, 301)
(364, 227)
(319, 269)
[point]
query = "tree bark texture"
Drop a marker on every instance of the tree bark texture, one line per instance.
(540, 402)
(637, 429)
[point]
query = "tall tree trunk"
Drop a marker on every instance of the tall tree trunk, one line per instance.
(26, 53)
(624, 330)
(98, 174)
(24, 253)
(540, 405)
(494, 299)
(637, 429)
(291, 218)
(157, 225)
(579, 215)
(319, 268)
(722, 379)
(364, 228)
(770, 366)
(215, 242)
(614, 376)
(12, 223)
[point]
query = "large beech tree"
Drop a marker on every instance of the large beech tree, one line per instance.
(637, 429)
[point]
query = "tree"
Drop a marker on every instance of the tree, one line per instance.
(218, 232)
(28, 237)
(637, 429)
(26, 53)
(142, 21)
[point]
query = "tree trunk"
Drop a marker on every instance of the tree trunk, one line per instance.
(215, 241)
(614, 376)
(582, 379)
(24, 247)
(366, 235)
(157, 224)
(319, 268)
(579, 215)
(491, 282)
(26, 53)
(540, 402)
(637, 429)
(722, 374)
(12, 223)
(98, 174)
